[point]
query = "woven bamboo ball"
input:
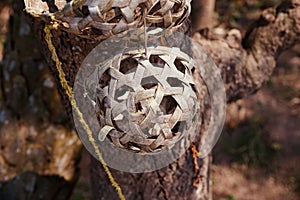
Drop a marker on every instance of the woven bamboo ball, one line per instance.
(145, 104)
(108, 17)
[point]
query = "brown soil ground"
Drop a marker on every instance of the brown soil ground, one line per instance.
(258, 154)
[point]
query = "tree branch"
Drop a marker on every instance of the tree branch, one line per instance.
(247, 63)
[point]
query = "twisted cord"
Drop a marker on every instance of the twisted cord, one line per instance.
(69, 92)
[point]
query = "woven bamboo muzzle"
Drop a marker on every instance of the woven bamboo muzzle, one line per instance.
(146, 104)
(104, 18)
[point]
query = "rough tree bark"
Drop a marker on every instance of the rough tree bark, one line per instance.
(248, 62)
(245, 63)
(38, 150)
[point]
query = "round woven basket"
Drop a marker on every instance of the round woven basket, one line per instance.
(104, 18)
(145, 104)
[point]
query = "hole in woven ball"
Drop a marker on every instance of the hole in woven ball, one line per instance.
(157, 61)
(115, 20)
(179, 127)
(180, 67)
(152, 137)
(160, 147)
(193, 87)
(174, 82)
(104, 79)
(51, 4)
(138, 107)
(176, 7)
(155, 8)
(122, 93)
(127, 65)
(85, 11)
(114, 16)
(193, 70)
(149, 82)
(168, 105)
(93, 30)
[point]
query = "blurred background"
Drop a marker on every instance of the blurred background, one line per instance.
(258, 154)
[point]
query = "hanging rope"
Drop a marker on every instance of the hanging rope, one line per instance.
(69, 92)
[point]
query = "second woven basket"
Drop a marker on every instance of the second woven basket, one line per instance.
(104, 18)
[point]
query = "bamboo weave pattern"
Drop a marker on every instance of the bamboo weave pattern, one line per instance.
(146, 104)
(104, 18)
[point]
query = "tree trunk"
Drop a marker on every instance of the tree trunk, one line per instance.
(187, 178)
(202, 14)
(244, 69)
(38, 151)
(180, 180)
